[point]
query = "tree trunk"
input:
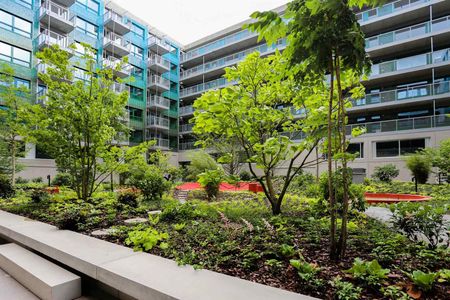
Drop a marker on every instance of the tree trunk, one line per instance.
(13, 161)
(330, 171)
(317, 164)
(276, 207)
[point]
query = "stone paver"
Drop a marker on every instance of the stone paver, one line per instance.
(154, 212)
(11, 289)
(134, 221)
(104, 232)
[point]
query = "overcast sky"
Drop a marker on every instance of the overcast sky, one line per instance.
(189, 20)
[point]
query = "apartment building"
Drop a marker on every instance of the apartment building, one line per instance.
(407, 98)
(27, 26)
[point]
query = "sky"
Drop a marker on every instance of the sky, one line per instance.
(189, 20)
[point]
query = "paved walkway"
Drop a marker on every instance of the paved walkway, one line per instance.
(11, 289)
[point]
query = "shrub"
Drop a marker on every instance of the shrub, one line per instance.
(307, 272)
(200, 163)
(39, 195)
(6, 188)
(245, 176)
(386, 173)
(346, 290)
(302, 181)
(20, 180)
(211, 180)
(37, 180)
(422, 280)
(69, 218)
(128, 197)
(420, 221)
(150, 180)
(370, 272)
(147, 239)
(62, 179)
(395, 293)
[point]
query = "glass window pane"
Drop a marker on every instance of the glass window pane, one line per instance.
(22, 25)
(411, 146)
(387, 149)
(93, 5)
(5, 18)
(5, 49)
(22, 54)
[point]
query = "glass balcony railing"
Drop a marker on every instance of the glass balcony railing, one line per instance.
(200, 88)
(111, 15)
(153, 41)
(112, 62)
(120, 87)
(188, 146)
(157, 121)
(50, 38)
(230, 59)
(158, 80)
(57, 11)
(186, 128)
(387, 9)
(158, 101)
(408, 32)
(186, 110)
(406, 93)
(228, 40)
(160, 143)
(402, 124)
(116, 40)
(155, 59)
(411, 62)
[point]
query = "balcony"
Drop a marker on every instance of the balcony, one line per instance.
(203, 87)
(215, 67)
(110, 62)
(56, 16)
(158, 103)
(188, 146)
(43, 69)
(120, 88)
(116, 44)
(186, 110)
(155, 122)
(158, 83)
(41, 97)
(162, 144)
(116, 23)
(186, 128)
(158, 63)
(404, 94)
(402, 124)
(159, 46)
(66, 3)
(387, 9)
(49, 38)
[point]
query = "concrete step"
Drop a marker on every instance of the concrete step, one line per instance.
(42, 277)
(11, 289)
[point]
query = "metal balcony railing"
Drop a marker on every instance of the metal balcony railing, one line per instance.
(160, 44)
(160, 143)
(56, 11)
(111, 15)
(387, 9)
(406, 93)
(186, 128)
(202, 87)
(157, 121)
(408, 32)
(186, 110)
(117, 40)
(157, 59)
(50, 38)
(112, 62)
(158, 80)
(188, 146)
(402, 124)
(155, 100)
(120, 87)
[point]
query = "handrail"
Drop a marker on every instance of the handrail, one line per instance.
(387, 9)
(57, 10)
(158, 59)
(158, 100)
(53, 38)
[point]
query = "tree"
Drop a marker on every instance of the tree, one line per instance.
(440, 157)
(257, 112)
(201, 162)
(82, 120)
(324, 37)
(385, 173)
(420, 166)
(13, 127)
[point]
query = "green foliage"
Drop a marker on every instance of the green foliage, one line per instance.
(346, 290)
(394, 293)
(444, 275)
(421, 220)
(287, 250)
(422, 280)
(82, 118)
(440, 157)
(307, 272)
(37, 180)
(69, 218)
(128, 197)
(420, 166)
(200, 163)
(387, 249)
(39, 195)
(245, 175)
(21, 180)
(62, 179)
(179, 226)
(145, 240)
(6, 188)
(386, 173)
(370, 272)
(210, 180)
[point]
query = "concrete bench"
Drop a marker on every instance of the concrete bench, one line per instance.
(40, 276)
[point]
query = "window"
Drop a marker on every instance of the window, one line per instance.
(15, 55)
(137, 73)
(18, 82)
(41, 153)
(356, 148)
(15, 24)
(26, 3)
(86, 27)
(135, 113)
(136, 93)
(137, 30)
(90, 5)
(137, 51)
(80, 74)
(397, 148)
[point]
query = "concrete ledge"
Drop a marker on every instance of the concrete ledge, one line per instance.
(139, 275)
(42, 277)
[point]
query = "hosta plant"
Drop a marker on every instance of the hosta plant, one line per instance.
(368, 271)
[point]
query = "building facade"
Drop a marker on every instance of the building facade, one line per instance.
(407, 100)
(27, 26)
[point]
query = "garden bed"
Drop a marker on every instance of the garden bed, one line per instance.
(241, 238)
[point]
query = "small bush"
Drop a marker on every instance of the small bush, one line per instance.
(39, 195)
(245, 176)
(37, 180)
(307, 272)
(420, 221)
(150, 180)
(20, 180)
(370, 272)
(6, 188)
(145, 240)
(346, 290)
(62, 179)
(211, 180)
(385, 173)
(420, 167)
(69, 219)
(128, 197)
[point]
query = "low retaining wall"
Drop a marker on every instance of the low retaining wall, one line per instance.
(136, 274)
